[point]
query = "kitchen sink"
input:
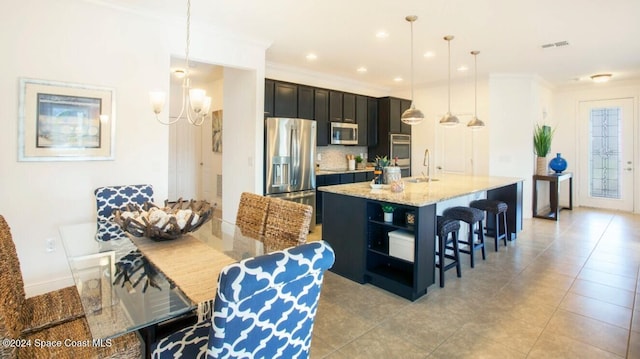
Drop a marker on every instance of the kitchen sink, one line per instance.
(421, 180)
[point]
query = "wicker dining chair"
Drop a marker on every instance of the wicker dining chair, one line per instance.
(54, 316)
(252, 214)
(287, 224)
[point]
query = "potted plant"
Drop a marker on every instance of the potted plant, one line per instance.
(359, 164)
(388, 212)
(542, 136)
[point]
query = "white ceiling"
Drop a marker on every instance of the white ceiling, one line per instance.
(603, 35)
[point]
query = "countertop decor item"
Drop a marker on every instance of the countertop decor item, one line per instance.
(558, 164)
(542, 136)
(169, 222)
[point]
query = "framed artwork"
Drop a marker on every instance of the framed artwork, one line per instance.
(65, 122)
(216, 130)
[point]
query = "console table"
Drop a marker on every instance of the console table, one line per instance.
(554, 180)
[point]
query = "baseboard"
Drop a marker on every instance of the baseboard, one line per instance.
(47, 286)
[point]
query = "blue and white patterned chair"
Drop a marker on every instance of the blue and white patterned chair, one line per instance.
(111, 198)
(265, 307)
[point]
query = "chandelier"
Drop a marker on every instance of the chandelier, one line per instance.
(195, 102)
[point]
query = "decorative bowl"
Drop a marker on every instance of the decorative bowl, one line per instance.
(161, 224)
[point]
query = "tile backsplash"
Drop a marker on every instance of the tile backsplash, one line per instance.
(335, 156)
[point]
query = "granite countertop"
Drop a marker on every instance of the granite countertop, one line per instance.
(420, 194)
(341, 170)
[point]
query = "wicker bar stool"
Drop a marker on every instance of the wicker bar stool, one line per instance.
(496, 208)
(471, 216)
(447, 232)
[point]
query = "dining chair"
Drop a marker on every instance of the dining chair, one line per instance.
(111, 198)
(287, 224)
(252, 214)
(264, 307)
(53, 316)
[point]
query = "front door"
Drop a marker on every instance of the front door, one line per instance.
(606, 154)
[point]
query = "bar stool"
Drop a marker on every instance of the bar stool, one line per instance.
(496, 208)
(471, 216)
(446, 226)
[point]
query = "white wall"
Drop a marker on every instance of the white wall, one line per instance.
(565, 107)
(517, 103)
(84, 42)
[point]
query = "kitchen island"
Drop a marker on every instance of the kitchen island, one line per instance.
(353, 224)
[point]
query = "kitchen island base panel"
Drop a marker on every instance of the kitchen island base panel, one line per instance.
(345, 229)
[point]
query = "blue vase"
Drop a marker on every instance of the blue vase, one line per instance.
(558, 164)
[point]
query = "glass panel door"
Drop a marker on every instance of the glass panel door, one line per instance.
(606, 153)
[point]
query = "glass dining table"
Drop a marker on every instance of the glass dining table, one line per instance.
(133, 283)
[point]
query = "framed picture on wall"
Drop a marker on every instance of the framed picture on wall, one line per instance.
(65, 122)
(216, 130)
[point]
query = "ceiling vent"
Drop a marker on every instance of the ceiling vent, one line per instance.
(555, 44)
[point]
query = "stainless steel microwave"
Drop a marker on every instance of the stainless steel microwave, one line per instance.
(344, 133)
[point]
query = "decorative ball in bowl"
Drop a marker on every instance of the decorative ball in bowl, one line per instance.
(161, 224)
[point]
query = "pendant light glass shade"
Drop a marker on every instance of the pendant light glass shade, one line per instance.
(412, 116)
(448, 119)
(475, 123)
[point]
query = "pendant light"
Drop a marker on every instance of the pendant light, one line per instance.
(193, 100)
(475, 122)
(448, 119)
(412, 116)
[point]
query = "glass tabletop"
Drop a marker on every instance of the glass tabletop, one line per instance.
(122, 291)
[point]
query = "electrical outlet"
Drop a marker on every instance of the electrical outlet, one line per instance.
(50, 244)
(319, 157)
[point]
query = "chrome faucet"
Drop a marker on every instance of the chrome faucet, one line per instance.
(427, 163)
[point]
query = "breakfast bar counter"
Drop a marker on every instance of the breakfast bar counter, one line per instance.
(354, 225)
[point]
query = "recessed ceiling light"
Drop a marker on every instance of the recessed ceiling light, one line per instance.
(397, 79)
(179, 73)
(382, 34)
(311, 56)
(599, 78)
(429, 54)
(362, 69)
(462, 68)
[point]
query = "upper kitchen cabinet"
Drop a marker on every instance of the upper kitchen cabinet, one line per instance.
(404, 128)
(348, 107)
(372, 121)
(335, 106)
(389, 112)
(268, 98)
(362, 119)
(321, 113)
(285, 102)
(305, 102)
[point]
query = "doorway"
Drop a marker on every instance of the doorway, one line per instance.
(606, 148)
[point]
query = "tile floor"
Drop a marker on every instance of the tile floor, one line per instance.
(566, 289)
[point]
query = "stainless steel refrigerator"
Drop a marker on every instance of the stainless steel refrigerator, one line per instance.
(290, 151)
